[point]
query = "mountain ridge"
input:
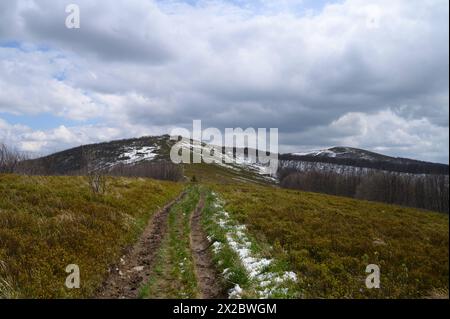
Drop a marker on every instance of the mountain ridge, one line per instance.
(106, 155)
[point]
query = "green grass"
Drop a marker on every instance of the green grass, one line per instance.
(213, 173)
(174, 274)
(220, 229)
(225, 258)
(328, 241)
(47, 223)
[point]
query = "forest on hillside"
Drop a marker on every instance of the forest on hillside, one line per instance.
(423, 191)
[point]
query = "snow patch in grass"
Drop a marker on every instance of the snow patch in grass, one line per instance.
(266, 282)
(235, 292)
(217, 246)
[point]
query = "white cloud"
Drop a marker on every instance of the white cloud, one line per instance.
(30, 85)
(386, 132)
(139, 64)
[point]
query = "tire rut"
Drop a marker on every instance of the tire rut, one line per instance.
(135, 267)
(206, 273)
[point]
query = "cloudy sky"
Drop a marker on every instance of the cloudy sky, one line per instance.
(362, 73)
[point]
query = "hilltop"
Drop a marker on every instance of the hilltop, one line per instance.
(130, 152)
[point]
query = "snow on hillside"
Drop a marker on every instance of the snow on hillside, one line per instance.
(227, 160)
(304, 166)
(345, 153)
(323, 153)
(131, 155)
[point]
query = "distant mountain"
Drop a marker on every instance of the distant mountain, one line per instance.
(130, 152)
(348, 159)
(105, 155)
(347, 153)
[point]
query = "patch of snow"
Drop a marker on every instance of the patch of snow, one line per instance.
(267, 283)
(228, 160)
(235, 292)
(217, 246)
(328, 153)
(133, 155)
(304, 166)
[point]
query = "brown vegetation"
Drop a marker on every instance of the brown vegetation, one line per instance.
(429, 192)
(328, 241)
(158, 170)
(9, 159)
(47, 223)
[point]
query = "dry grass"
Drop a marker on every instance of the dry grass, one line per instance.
(330, 240)
(47, 223)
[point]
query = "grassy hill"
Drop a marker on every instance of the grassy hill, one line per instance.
(131, 152)
(212, 173)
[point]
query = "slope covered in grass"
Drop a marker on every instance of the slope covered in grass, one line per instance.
(328, 241)
(213, 173)
(47, 223)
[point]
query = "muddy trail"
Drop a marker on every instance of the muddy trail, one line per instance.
(172, 258)
(207, 276)
(135, 266)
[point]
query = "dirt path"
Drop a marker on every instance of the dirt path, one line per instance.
(135, 267)
(206, 273)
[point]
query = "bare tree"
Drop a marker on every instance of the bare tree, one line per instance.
(96, 176)
(9, 159)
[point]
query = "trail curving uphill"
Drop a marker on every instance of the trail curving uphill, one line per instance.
(135, 267)
(207, 276)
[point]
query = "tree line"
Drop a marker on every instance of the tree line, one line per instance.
(162, 170)
(423, 191)
(12, 161)
(400, 165)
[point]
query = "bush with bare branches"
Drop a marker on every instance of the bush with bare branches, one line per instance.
(9, 159)
(96, 177)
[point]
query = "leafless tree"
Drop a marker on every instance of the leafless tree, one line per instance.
(96, 176)
(9, 159)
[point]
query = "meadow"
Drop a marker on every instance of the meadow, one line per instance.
(328, 241)
(47, 223)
